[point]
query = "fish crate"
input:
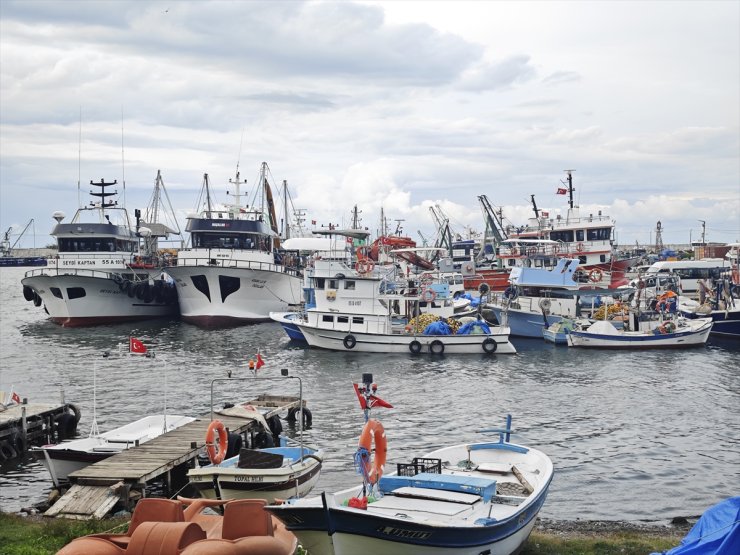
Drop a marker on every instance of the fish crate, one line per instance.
(419, 465)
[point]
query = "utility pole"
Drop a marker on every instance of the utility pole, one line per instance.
(703, 232)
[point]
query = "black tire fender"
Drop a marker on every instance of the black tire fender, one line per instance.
(489, 345)
(415, 347)
(307, 416)
(436, 347)
(28, 293)
(233, 446)
(7, 451)
(66, 426)
(349, 341)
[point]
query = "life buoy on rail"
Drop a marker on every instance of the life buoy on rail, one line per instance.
(373, 433)
(595, 275)
(216, 456)
(468, 267)
(349, 341)
(364, 266)
(511, 293)
(428, 295)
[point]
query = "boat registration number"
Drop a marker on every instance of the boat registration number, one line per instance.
(248, 478)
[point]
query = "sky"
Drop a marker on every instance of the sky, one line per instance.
(398, 106)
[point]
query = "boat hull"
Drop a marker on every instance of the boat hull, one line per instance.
(338, 340)
(287, 321)
(726, 323)
(8, 261)
(255, 294)
(524, 323)
(90, 297)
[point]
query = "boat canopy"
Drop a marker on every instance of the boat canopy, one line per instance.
(354, 233)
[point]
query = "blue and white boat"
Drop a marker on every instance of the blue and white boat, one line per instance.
(469, 499)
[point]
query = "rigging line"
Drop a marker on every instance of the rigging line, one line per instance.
(123, 168)
(79, 160)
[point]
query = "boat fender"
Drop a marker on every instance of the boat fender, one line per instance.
(117, 279)
(148, 294)
(216, 456)
(7, 451)
(545, 304)
(276, 427)
(373, 432)
(489, 345)
(436, 347)
(234, 445)
(141, 290)
(349, 341)
(307, 417)
(28, 293)
(415, 347)
(131, 291)
(263, 440)
(36, 299)
(483, 288)
(76, 411)
(66, 426)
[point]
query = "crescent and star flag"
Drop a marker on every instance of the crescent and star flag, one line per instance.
(372, 401)
(562, 191)
(260, 362)
(16, 398)
(136, 347)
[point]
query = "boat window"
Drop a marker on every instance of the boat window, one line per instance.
(349, 284)
(319, 283)
(579, 235)
(358, 320)
(333, 284)
(582, 259)
(602, 258)
(228, 285)
(598, 234)
(56, 292)
(342, 319)
(75, 293)
(327, 318)
(566, 236)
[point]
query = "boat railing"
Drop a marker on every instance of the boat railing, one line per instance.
(89, 272)
(241, 264)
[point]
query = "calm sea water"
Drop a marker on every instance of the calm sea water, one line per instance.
(633, 436)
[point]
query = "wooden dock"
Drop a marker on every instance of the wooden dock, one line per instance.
(28, 424)
(98, 487)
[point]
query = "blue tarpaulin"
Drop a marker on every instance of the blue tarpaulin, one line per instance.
(474, 327)
(438, 328)
(717, 532)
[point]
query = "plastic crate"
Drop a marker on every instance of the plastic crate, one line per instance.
(419, 465)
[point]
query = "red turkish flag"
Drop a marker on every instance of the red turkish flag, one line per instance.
(136, 347)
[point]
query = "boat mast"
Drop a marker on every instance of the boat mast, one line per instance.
(103, 194)
(286, 223)
(570, 187)
(238, 195)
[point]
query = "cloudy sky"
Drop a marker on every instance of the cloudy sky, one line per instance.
(399, 105)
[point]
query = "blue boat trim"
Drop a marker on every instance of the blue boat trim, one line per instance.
(504, 446)
(485, 487)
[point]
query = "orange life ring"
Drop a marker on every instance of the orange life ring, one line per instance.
(595, 275)
(373, 432)
(216, 456)
(365, 266)
(428, 295)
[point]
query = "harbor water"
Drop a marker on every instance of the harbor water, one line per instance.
(638, 436)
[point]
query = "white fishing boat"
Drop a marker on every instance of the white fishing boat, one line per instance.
(379, 308)
(590, 239)
(233, 272)
(102, 273)
(63, 458)
(674, 333)
(470, 499)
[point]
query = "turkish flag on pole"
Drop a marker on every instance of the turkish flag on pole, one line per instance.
(16, 398)
(260, 362)
(562, 191)
(136, 347)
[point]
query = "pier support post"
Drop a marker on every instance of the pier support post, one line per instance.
(24, 427)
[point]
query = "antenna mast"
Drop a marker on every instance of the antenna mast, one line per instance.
(123, 166)
(570, 187)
